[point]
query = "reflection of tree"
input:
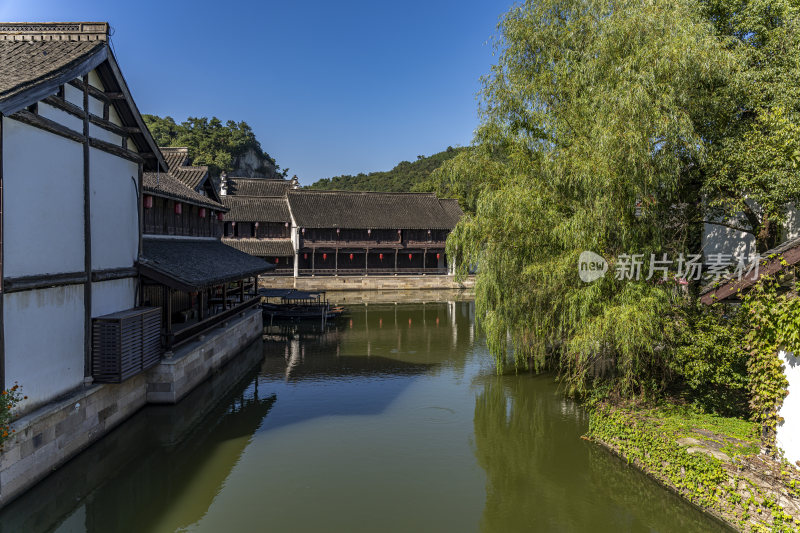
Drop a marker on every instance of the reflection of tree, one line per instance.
(540, 476)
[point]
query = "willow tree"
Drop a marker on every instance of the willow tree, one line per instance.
(592, 109)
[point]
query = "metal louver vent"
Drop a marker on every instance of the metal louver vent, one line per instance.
(125, 343)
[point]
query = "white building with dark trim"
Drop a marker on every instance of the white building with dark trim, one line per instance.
(115, 290)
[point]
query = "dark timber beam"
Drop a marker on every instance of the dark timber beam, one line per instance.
(2, 288)
(87, 238)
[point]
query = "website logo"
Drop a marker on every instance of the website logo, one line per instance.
(591, 266)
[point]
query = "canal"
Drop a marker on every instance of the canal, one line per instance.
(391, 420)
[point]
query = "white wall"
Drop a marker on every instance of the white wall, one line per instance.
(62, 117)
(723, 240)
(96, 106)
(44, 341)
(115, 222)
(793, 224)
(112, 296)
(104, 135)
(788, 436)
(43, 197)
(73, 95)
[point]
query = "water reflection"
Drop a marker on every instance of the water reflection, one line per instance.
(159, 471)
(542, 476)
(392, 419)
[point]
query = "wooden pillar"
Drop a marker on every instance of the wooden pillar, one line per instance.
(201, 307)
(396, 251)
(168, 310)
(241, 291)
(224, 296)
(313, 253)
(336, 261)
(424, 258)
(366, 262)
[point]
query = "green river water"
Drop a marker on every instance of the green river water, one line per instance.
(393, 419)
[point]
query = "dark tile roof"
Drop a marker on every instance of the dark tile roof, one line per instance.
(194, 264)
(175, 157)
(167, 186)
(192, 177)
(257, 187)
(249, 209)
(368, 210)
(36, 58)
(453, 210)
(262, 247)
(26, 64)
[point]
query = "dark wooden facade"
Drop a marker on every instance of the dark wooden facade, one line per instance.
(193, 221)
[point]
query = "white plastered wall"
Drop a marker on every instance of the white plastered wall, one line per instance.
(44, 342)
(788, 434)
(115, 217)
(112, 296)
(62, 117)
(43, 190)
(723, 240)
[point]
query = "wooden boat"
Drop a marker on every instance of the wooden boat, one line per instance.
(297, 305)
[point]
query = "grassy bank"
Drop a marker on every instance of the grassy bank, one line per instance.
(712, 461)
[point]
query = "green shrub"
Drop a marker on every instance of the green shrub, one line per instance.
(711, 363)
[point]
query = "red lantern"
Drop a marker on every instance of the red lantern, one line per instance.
(351, 257)
(277, 260)
(202, 212)
(178, 208)
(148, 201)
(380, 256)
(437, 256)
(409, 257)
(220, 216)
(324, 257)
(305, 256)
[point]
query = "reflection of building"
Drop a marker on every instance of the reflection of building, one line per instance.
(336, 232)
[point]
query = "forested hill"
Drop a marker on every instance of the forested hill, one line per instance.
(401, 178)
(230, 147)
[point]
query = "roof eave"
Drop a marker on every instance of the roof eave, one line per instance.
(39, 91)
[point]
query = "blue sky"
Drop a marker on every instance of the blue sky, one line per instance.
(329, 87)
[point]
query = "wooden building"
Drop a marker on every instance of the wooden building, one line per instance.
(258, 220)
(194, 278)
(360, 233)
(308, 232)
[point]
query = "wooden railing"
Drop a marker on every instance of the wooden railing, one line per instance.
(370, 271)
(342, 243)
(188, 333)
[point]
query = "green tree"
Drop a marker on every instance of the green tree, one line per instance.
(752, 173)
(405, 176)
(210, 142)
(593, 107)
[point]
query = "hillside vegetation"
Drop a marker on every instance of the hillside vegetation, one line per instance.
(230, 147)
(406, 176)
